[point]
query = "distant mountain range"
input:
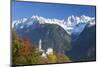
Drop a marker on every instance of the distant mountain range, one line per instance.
(73, 24)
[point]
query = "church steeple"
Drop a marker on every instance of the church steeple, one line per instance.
(40, 45)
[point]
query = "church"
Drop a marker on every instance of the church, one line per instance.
(44, 52)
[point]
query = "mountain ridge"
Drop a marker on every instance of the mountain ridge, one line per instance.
(68, 25)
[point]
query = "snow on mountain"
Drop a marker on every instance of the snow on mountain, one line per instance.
(69, 26)
(76, 24)
(43, 20)
(74, 20)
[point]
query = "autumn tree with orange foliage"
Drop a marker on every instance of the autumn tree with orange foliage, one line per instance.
(26, 50)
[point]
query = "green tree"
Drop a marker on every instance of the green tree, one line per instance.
(16, 46)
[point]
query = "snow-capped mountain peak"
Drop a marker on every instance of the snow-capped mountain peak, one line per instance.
(74, 23)
(69, 26)
(43, 20)
(74, 20)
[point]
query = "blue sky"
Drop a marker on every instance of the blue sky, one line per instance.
(58, 11)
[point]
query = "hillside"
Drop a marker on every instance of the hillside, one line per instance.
(25, 53)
